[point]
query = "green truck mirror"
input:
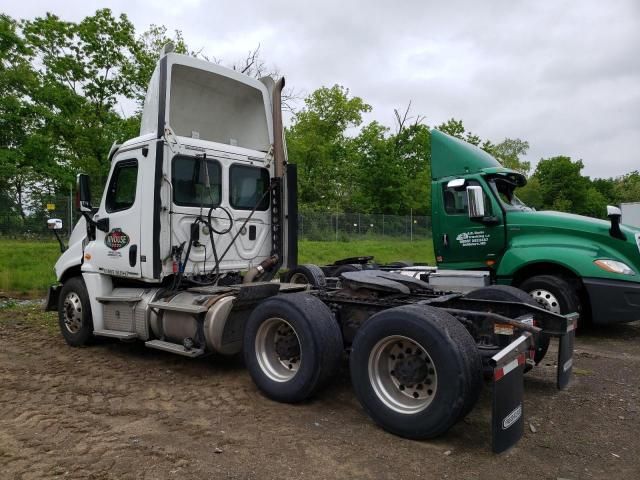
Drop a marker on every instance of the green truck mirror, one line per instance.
(475, 200)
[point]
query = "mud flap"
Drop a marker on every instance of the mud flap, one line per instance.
(507, 416)
(565, 353)
(51, 305)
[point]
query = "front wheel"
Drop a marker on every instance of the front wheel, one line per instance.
(74, 313)
(415, 370)
(553, 293)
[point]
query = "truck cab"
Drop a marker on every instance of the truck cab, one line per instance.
(200, 197)
(566, 262)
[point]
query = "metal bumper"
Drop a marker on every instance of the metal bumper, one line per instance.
(613, 301)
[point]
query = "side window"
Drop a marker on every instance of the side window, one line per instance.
(247, 186)
(455, 199)
(188, 179)
(122, 186)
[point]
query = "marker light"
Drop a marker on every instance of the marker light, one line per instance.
(614, 266)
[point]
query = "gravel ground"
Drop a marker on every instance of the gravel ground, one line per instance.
(118, 410)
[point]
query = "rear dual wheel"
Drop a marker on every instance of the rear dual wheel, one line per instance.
(507, 293)
(415, 370)
(306, 274)
(292, 346)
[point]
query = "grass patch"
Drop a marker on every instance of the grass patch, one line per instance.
(26, 267)
(384, 251)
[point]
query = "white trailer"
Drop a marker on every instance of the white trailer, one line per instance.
(631, 213)
(198, 216)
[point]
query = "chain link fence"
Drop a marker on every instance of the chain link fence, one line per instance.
(326, 227)
(338, 227)
(33, 225)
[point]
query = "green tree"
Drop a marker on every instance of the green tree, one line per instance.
(456, 128)
(564, 188)
(85, 68)
(24, 162)
(318, 143)
(509, 153)
(627, 187)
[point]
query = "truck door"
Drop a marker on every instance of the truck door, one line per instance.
(460, 242)
(116, 251)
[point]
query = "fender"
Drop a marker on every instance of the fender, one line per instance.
(568, 251)
(72, 258)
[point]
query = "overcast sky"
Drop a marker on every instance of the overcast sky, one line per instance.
(563, 75)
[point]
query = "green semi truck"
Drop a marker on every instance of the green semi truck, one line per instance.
(482, 234)
(568, 263)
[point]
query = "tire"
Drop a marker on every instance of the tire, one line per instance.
(310, 344)
(568, 300)
(563, 296)
(447, 385)
(306, 274)
(507, 293)
(74, 313)
(346, 268)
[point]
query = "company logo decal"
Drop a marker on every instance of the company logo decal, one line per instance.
(512, 417)
(116, 239)
(473, 239)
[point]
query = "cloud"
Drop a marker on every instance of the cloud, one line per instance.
(563, 75)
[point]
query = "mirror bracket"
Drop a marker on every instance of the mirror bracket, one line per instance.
(103, 224)
(615, 216)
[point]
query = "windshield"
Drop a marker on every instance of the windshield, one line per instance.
(505, 191)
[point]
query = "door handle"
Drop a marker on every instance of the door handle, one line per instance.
(445, 239)
(133, 255)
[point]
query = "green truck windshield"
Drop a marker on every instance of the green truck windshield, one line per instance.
(504, 189)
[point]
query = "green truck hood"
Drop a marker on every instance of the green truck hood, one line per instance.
(555, 229)
(565, 221)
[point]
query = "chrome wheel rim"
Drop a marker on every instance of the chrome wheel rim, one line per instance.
(278, 349)
(299, 278)
(546, 299)
(72, 312)
(402, 374)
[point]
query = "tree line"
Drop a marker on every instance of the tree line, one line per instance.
(62, 85)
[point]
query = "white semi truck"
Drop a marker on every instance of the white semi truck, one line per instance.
(197, 218)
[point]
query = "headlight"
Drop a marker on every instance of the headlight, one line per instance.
(614, 266)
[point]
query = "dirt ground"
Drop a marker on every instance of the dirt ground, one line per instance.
(117, 410)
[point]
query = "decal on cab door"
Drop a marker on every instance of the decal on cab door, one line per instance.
(116, 239)
(476, 238)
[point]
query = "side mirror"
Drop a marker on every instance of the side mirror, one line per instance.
(456, 183)
(54, 224)
(475, 201)
(83, 193)
(615, 217)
